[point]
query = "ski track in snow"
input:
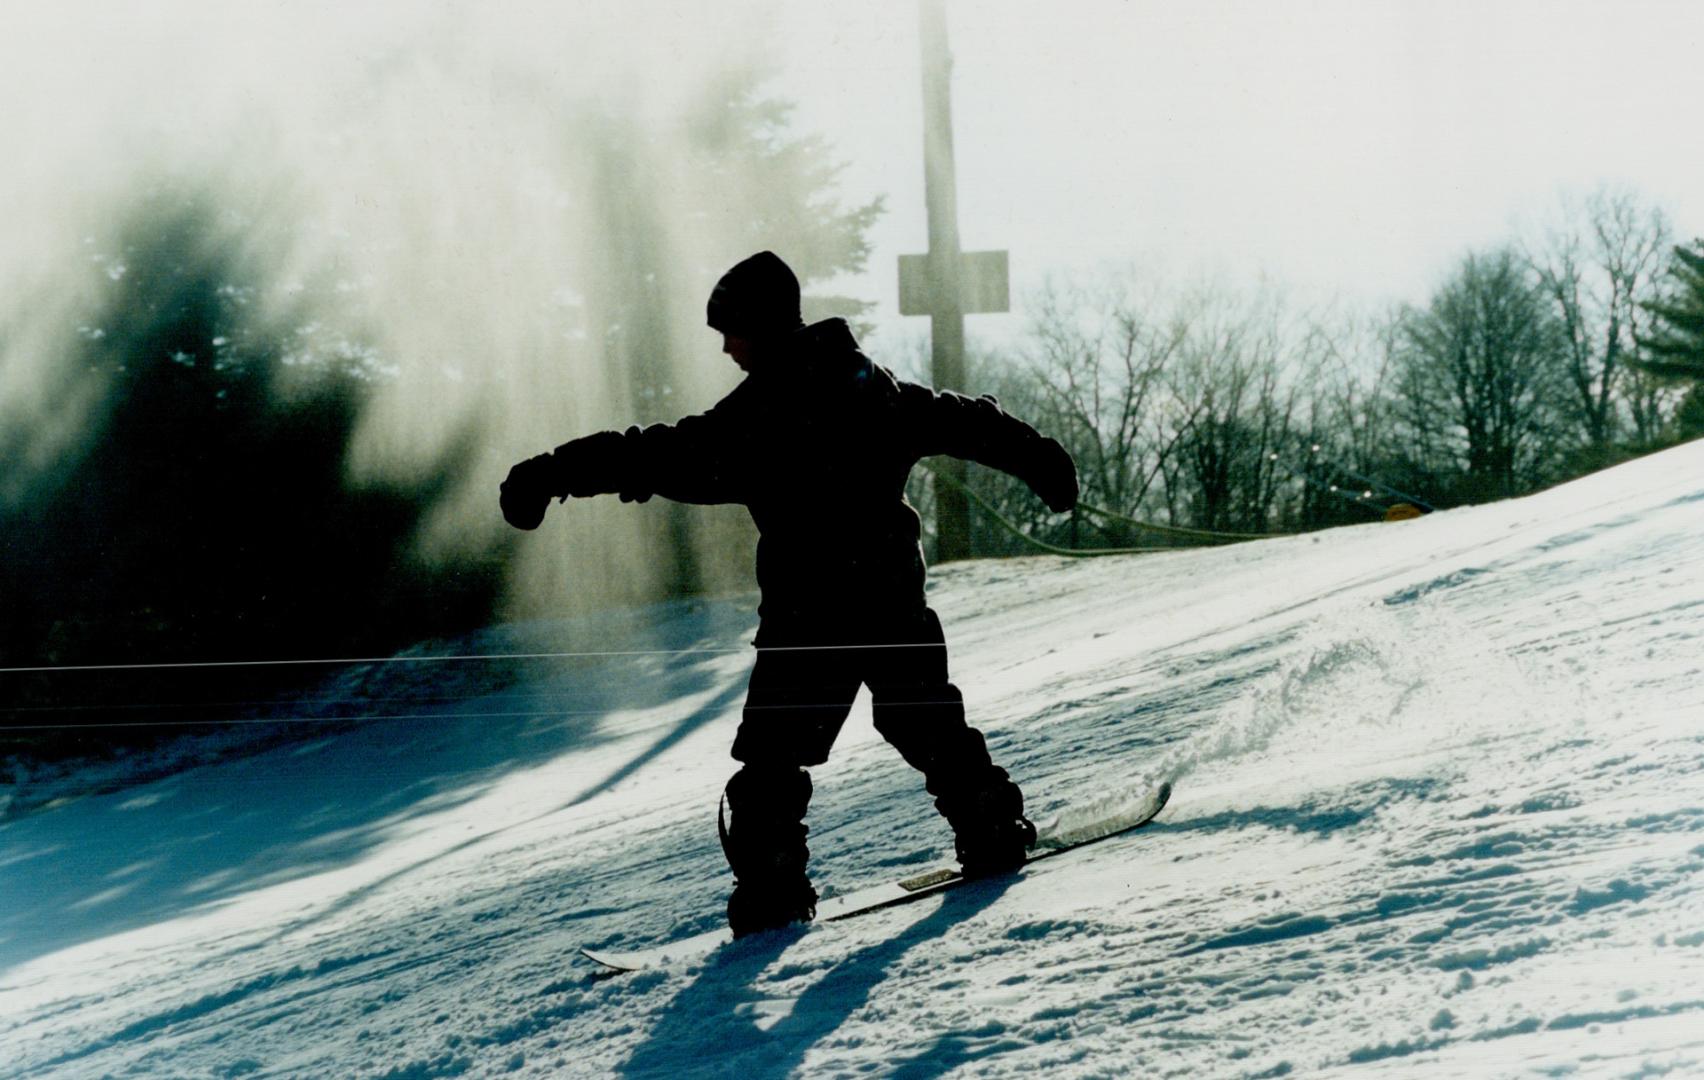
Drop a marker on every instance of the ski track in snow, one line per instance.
(1439, 812)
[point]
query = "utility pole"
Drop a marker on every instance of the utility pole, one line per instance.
(946, 284)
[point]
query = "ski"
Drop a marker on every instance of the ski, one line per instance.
(893, 893)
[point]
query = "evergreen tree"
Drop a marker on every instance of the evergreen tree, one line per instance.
(747, 181)
(1677, 346)
(207, 517)
(1676, 349)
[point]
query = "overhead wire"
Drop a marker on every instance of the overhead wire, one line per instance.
(47, 669)
(380, 717)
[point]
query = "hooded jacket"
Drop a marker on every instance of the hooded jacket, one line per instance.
(817, 444)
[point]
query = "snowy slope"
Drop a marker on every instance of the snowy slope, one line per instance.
(1440, 813)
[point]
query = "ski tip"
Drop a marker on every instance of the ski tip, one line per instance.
(610, 961)
(657, 955)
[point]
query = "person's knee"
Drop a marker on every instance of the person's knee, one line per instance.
(904, 714)
(769, 743)
(772, 790)
(763, 832)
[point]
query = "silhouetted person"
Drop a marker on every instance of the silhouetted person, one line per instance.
(817, 442)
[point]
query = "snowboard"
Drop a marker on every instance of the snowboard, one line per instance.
(893, 893)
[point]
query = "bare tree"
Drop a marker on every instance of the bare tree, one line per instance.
(1235, 394)
(1097, 363)
(1352, 423)
(1651, 402)
(1483, 376)
(1596, 269)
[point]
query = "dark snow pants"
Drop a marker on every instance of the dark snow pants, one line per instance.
(797, 702)
(800, 697)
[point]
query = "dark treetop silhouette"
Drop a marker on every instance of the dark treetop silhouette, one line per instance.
(817, 442)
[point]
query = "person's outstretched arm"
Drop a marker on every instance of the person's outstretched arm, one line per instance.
(697, 460)
(977, 429)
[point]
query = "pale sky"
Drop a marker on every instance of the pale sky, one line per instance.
(1344, 147)
(1352, 148)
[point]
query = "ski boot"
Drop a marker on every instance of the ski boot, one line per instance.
(765, 845)
(990, 833)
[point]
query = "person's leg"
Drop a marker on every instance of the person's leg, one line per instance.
(922, 714)
(796, 704)
(763, 835)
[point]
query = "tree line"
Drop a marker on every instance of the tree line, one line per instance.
(1208, 408)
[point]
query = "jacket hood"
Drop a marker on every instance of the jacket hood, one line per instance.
(827, 351)
(829, 335)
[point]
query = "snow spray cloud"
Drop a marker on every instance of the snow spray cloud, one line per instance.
(1362, 691)
(517, 210)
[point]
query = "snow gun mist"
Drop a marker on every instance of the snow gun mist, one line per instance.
(288, 287)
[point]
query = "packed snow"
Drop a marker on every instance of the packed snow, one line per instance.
(1439, 812)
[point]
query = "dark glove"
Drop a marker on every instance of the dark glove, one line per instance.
(526, 493)
(1052, 475)
(594, 465)
(599, 465)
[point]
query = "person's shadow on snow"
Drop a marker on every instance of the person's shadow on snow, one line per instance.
(715, 1018)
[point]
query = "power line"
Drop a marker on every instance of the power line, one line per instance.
(354, 661)
(375, 718)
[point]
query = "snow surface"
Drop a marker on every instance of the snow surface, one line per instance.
(1440, 812)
